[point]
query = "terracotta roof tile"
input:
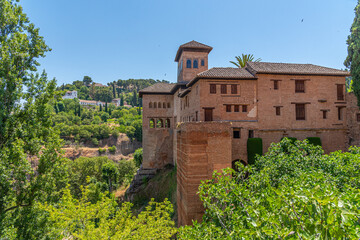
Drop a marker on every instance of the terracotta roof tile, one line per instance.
(232, 73)
(192, 45)
(158, 88)
(292, 68)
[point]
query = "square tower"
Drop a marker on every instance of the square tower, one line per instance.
(192, 58)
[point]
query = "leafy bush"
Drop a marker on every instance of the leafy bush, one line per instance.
(254, 147)
(130, 132)
(112, 149)
(105, 116)
(102, 150)
(95, 141)
(314, 141)
(294, 191)
(292, 139)
(138, 157)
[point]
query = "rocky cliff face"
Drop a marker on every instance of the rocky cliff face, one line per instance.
(124, 149)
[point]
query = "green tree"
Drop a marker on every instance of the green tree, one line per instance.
(134, 98)
(105, 116)
(122, 100)
(241, 61)
(26, 133)
(106, 107)
(353, 59)
(110, 174)
(87, 80)
(138, 156)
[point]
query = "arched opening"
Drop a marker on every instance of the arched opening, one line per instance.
(154, 104)
(164, 105)
(150, 104)
(152, 123)
(196, 64)
(188, 63)
(159, 104)
(159, 123)
(167, 123)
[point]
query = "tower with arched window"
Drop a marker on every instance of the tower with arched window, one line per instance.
(192, 58)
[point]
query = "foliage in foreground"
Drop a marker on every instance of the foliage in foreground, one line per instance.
(292, 192)
(104, 220)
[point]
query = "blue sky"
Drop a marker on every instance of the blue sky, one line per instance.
(115, 39)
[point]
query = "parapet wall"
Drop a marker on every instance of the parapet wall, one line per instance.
(202, 147)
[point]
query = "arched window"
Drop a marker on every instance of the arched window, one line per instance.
(164, 105)
(188, 63)
(159, 104)
(202, 62)
(150, 104)
(152, 123)
(167, 123)
(196, 64)
(159, 123)
(168, 105)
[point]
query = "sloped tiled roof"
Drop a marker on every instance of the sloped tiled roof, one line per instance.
(158, 88)
(228, 72)
(292, 68)
(192, 45)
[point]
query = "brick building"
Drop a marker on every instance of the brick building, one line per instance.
(202, 122)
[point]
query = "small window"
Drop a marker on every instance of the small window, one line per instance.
(324, 114)
(196, 116)
(236, 133)
(196, 64)
(358, 117)
(228, 108)
(277, 110)
(276, 84)
(188, 63)
(223, 89)
(299, 86)
(152, 123)
(251, 133)
(236, 108)
(167, 123)
(150, 104)
(213, 88)
(155, 105)
(244, 108)
(233, 89)
(202, 62)
(168, 105)
(340, 113)
(340, 92)
(164, 105)
(159, 123)
(159, 104)
(300, 111)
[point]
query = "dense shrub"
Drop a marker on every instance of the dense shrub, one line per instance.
(138, 157)
(102, 150)
(292, 139)
(112, 149)
(254, 147)
(314, 141)
(294, 191)
(126, 171)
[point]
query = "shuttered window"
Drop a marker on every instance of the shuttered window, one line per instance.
(228, 108)
(244, 108)
(277, 111)
(340, 92)
(223, 89)
(233, 89)
(299, 86)
(300, 111)
(236, 108)
(212, 88)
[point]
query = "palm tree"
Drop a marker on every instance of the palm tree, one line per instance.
(241, 61)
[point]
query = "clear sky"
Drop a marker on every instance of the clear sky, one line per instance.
(116, 39)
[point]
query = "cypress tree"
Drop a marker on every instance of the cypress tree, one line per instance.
(79, 111)
(100, 107)
(353, 59)
(106, 107)
(134, 100)
(122, 100)
(114, 93)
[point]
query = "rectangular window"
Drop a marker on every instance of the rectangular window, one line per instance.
(223, 89)
(236, 108)
(340, 92)
(251, 133)
(340, 113)
(324, 113)
(300, 111)
(233, 89)
(276, 84)
(236, 133)
(213, 88)
(228, 108)
(196, 116)
(277, 111)
(202, 62)
(208, 114)
(299, 86)
(358, 117)
(244, 108)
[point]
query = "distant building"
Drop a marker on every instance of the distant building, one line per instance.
(116, 101)
(91, 103)
(70, 95)
(99, 85)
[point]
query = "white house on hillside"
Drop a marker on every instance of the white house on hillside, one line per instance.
(70, 95)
